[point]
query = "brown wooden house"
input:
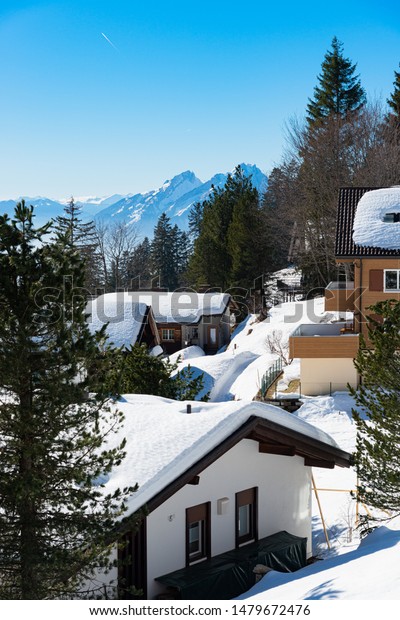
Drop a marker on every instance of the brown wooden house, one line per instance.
(185, 318)
(368, 248)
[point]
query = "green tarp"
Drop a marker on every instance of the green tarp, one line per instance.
(230, 574)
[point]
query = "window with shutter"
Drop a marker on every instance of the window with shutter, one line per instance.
(198, 533)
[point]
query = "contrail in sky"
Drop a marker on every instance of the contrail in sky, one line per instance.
(110, 42)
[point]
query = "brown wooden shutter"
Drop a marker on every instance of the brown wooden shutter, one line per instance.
(197, 513)
(376, 280)
(201, 512)
(246, 497)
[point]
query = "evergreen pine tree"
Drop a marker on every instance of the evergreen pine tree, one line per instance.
(339, 91)
(137, 372)
(162, 258)
(247, 237)
(377, 416)
(55, 520)
(195, 219)
(394, 99)
(182, 250)
(139, 266)
(327, 160)
(82, 237)
(203, 263)
(227, 251)
(169, 253)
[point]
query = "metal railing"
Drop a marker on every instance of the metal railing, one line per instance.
(270, 376)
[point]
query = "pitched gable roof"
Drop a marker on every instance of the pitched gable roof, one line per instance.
(345, 247)
(166, 447)
(186, 307)
(125, 319)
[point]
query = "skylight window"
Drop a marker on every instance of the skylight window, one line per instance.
(391, 217)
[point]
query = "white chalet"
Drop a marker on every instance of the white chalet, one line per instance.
(225, 485)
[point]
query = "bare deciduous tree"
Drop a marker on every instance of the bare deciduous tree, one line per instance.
(116, 243)
(276, 344)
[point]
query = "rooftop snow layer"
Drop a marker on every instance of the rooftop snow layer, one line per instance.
(181, 306)
(124, 317)
(370, 228)
(163, 441)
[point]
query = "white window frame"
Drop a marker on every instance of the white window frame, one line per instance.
(200, 517)
(200, 551)
(166, 333)
(391, 290)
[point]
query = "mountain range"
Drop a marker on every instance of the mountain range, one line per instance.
(175, 198)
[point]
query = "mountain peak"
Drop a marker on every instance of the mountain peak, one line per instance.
(175, 197)
(188, 176)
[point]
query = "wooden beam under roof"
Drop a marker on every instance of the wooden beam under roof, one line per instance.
(310, 462)
(274, 448)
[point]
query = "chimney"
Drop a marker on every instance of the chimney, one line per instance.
(188, 408)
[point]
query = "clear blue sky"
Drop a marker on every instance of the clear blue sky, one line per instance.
(177, 85)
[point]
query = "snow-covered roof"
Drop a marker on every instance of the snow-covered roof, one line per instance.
(372, 225)
(163, 441)
(124, 317)
(181, 306)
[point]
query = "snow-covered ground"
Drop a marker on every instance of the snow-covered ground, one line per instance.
(235, 374)
(348, 569)
(368, 572)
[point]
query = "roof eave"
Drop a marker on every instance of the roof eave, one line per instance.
(255, 428)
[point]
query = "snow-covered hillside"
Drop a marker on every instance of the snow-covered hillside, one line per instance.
(348, 569)
(235, 374)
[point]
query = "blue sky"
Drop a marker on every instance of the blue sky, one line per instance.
(177, 85)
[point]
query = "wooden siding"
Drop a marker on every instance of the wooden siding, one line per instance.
(370, 271)
(345, 345)
(170, 346)
(339, 300)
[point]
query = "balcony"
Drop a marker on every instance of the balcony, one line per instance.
(324, 340)
(339, 297)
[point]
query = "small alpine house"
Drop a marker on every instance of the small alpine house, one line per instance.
(226, 486)
(127, 322)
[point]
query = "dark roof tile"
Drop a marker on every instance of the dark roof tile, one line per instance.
(344, 246)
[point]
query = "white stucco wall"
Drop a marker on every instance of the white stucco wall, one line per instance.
(284, 503)
(326, 375)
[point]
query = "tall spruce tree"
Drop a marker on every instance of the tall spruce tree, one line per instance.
(394, 99)
(139, 266)
(229, 248)
(377, 416)
(339, 91)
(82, 237)
(162, 253)
(327, 157)
(195, 219)
(246, 239)
(55, 519)
(169, 253)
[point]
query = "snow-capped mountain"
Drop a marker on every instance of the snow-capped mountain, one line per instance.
(146, 208)
(175, 197)
(45, 208)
